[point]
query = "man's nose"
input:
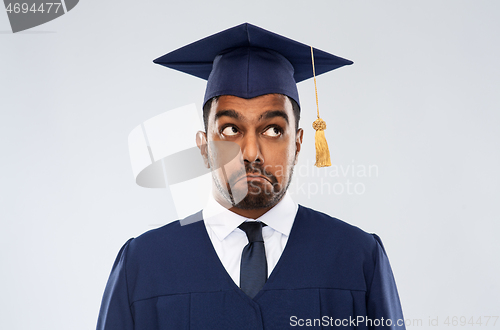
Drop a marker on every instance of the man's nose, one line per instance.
(251, 149)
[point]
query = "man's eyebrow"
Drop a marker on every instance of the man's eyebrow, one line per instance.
(274, 113)
(229, 113)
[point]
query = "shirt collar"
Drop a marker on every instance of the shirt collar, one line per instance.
(223, 221)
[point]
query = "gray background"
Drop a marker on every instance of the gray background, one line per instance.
(421, 103)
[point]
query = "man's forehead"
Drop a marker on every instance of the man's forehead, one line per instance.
(254, 106)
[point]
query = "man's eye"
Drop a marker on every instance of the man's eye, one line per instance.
(273, 131)
(230, 131)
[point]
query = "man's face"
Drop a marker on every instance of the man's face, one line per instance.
(264, 130)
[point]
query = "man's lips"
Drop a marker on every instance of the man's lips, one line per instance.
(250, 177)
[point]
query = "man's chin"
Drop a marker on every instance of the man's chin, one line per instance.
(255, 200)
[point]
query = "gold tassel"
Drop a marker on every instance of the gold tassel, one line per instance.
(322, 151)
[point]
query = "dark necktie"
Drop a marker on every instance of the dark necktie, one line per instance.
(253, 271)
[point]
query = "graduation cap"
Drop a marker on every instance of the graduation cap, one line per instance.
(247, 61)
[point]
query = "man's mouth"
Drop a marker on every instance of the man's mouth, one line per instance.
(253, 177)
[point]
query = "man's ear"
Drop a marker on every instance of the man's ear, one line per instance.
(201, 142)
(298, 143)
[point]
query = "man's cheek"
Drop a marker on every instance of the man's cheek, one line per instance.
(279, 171)
(226, 155)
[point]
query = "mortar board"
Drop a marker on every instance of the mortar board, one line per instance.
(248, 61)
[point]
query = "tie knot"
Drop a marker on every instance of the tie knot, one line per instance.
(253, 229)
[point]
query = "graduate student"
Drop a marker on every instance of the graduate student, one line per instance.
(253, 258)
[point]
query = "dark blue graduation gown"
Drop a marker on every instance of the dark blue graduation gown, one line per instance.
(329, 272)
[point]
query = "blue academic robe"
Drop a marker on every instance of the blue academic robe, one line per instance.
(330, 274)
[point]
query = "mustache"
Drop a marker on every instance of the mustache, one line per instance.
(253, 169)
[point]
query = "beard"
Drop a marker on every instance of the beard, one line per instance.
(259, 194)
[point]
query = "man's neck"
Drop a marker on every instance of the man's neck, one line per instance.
(250, 214)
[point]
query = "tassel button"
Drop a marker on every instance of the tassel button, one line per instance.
(319, 124)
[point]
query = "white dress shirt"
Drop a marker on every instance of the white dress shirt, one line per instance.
(228, 240)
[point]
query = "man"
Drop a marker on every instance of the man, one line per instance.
(257, 260)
